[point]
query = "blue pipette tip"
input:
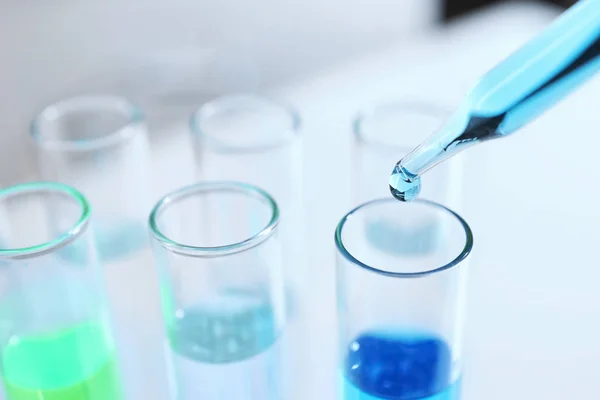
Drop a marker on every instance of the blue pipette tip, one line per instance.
(402, 186)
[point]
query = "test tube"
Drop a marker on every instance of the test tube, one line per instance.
(255, 139)
(99, 145)
(383, 133)
(55, 334)
(401, 296)
(219, 261)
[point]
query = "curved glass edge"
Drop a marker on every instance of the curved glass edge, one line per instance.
(423, 107)
(213, 251)
(135, 116)
(201, 112)
(64, 239)
(456, 261)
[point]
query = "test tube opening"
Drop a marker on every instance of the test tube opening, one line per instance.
(217, 231)
(408, 230)
(58, 212)
(245, 123)
(86, 123)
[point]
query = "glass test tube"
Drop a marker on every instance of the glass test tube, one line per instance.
(55, 334)
(218, 255)
(401, 289)
(254, 139)
(386, 132)
(99, 145)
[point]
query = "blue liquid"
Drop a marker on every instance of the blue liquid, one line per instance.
(227, 349)
(400, 367)
(512, 94)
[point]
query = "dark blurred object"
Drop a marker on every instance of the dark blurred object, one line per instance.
(455, 8)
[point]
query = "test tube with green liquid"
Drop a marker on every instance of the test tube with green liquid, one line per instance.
(55, 335)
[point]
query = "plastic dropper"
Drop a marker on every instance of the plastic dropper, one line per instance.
(512, 94)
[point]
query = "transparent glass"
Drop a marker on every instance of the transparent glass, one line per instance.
(401, 289)
(219, 260)
(257, 140)
(99, 145)
(393, 128)
(55, 334)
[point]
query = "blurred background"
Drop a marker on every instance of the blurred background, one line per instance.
(165, 55)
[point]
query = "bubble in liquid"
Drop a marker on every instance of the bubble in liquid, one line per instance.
(403, 187)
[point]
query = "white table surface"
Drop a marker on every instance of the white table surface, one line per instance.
(532, 201)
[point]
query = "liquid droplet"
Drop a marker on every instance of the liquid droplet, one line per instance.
(403, 187)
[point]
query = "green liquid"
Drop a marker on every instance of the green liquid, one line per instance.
(77, 363)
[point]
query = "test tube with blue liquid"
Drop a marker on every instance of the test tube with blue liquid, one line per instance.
(257, 139)
(56, 339)
(401, 301)
(99, 145)
(219, 261)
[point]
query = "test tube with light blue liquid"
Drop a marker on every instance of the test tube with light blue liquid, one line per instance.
(257, 139)
(219, 261)
(401, 302)
(99, 145)
(56, 339)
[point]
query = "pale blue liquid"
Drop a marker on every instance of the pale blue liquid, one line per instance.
(228, 349)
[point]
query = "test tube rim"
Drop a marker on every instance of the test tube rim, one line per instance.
(213, 251)
(65, 238)
(224, 147)
(429, 108)
(455, 262)
(135, 118)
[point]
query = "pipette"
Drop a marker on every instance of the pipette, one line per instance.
(512, 94)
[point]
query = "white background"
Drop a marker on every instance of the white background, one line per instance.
(51, 49)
